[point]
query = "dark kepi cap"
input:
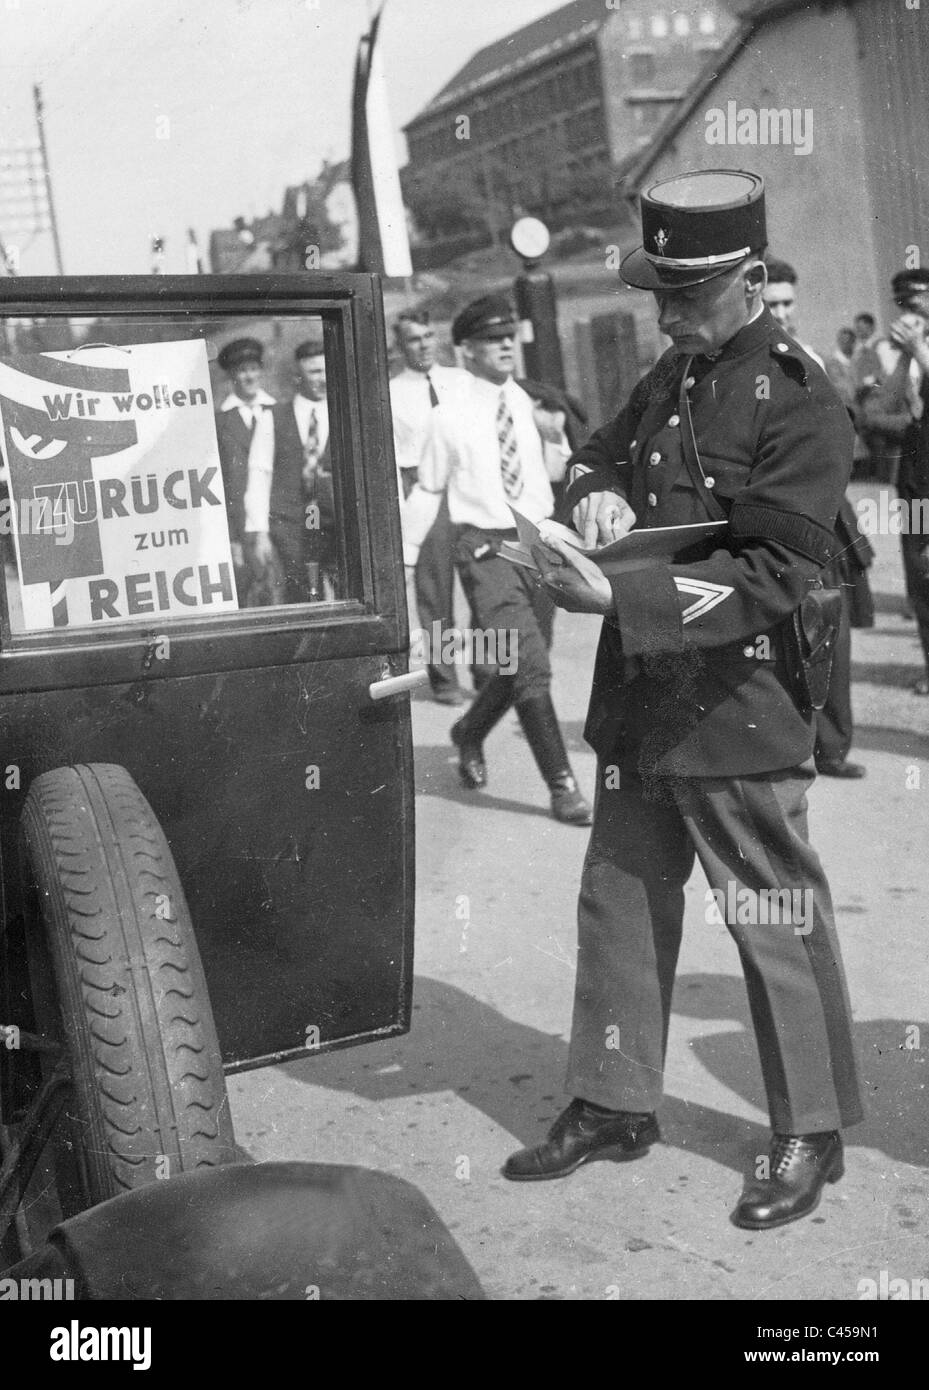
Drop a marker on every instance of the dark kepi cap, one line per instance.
(907, 283)
(240, 351)
(695, 226)
(310, 347)
(492, 316)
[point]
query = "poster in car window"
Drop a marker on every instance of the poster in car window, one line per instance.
(116, 493)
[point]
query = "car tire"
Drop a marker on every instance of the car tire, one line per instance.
(116, 975)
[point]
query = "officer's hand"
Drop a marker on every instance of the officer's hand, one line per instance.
(909, 333)
(571, 580)
(602, 517)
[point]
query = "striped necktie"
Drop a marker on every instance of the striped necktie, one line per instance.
(510, 467)
(311, 449)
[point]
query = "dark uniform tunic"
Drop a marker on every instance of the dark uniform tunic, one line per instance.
(695, 712)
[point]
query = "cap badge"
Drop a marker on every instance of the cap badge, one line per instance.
(661, 240)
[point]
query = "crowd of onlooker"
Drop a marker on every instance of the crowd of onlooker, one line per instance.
(862, 360)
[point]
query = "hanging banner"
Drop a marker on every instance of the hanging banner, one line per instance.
(384, 243)
(116, 501)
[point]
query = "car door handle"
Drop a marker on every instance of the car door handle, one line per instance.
(395, 685)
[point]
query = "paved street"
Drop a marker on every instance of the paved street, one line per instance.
(481, 1072)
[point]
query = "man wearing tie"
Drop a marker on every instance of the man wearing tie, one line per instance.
(289, 506)
(236, 421)
(414, 393)
(484, 446)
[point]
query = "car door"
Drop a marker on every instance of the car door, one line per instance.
(241, 693)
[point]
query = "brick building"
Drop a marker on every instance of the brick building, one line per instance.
(557, 108)
(849, 205)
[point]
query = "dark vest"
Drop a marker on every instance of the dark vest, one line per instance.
(288, 496)
(233, 438)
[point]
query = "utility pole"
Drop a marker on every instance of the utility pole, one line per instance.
(194, 259)
(534, 292)
(53, 221)
(8, 338)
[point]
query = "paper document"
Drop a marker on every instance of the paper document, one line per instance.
(637, 547)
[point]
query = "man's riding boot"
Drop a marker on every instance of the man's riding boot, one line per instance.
(543, 734)
(469, 733)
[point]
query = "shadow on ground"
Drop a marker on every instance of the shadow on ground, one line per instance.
(891, 603)
(513, 1073)
(880, 738)
(896, 675)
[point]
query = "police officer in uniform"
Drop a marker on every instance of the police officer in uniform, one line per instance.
(704, 738)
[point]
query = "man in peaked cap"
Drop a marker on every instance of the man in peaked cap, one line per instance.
(236, 421)
(698, 716)
(908, 285)
(485, 447)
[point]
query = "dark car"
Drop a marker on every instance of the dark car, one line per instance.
(206, 824)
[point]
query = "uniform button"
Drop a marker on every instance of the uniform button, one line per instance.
(748, 651)
(710, 482)
(652, 500)
(675, 420)
(633, 444)
(654, 458)
(783, 347)
(688, 383)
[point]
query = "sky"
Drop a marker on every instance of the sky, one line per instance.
(165, 114)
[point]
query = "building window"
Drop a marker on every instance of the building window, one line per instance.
(642, 69)
(707, 23)
(681, 25)
(659, 27)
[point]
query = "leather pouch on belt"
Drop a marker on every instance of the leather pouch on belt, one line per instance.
(816, 626)
(478, 545)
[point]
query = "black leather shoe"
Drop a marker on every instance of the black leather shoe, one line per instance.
(839, 767)
(800, 1165)
(567, 803)
(583, 1135)
(471, 768)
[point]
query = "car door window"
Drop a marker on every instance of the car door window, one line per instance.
(165, 467)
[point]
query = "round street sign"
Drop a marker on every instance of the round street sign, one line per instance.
(530, 238)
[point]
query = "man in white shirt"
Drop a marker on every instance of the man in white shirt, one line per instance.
(236, 421)
(428, 537)
(865, 329)
(780, 296)
(288, 475)
(484, 446)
